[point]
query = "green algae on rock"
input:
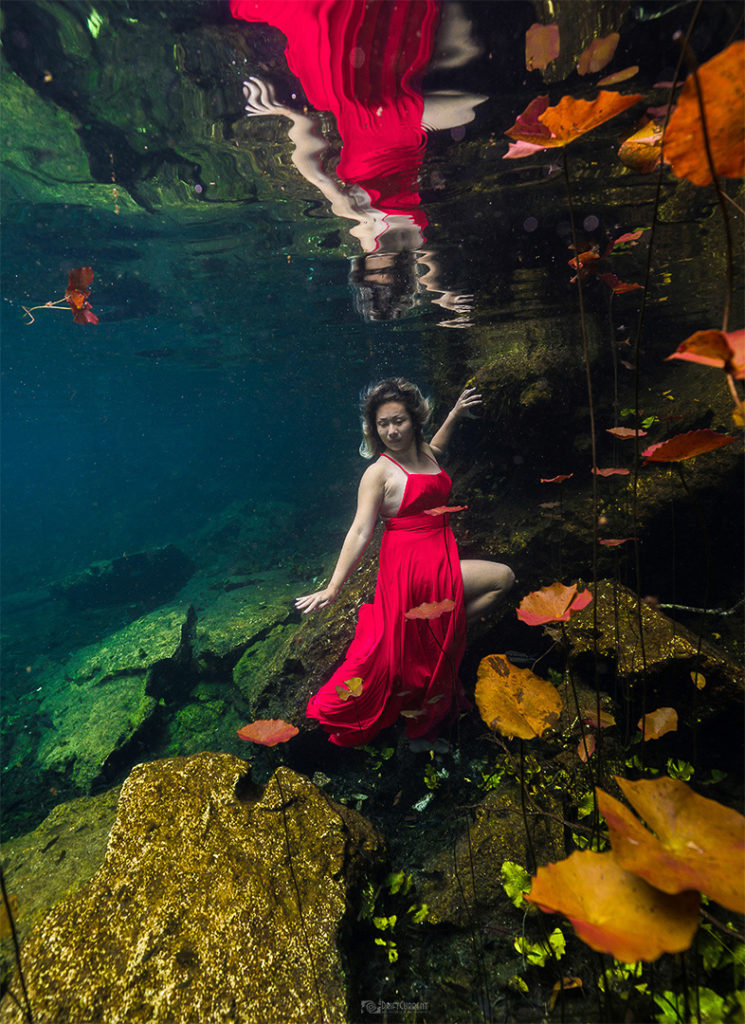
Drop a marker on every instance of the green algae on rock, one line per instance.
(194, 913)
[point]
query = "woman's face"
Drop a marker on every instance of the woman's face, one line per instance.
(395, 426)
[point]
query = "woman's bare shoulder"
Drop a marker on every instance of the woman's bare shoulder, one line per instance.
(375, 475)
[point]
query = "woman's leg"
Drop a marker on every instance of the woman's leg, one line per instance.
(484, 583)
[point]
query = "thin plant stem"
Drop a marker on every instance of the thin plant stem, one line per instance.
(16, 948)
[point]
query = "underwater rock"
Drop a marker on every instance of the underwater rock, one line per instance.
(146, 577)
(669, 649)
(466, 888)
(59, 856)
(194, 915)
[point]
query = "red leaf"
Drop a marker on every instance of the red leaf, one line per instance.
(517, 150)
(686, 446)
(528, 128)
(614, 542)
(430, 610)
(628, 239)
(611, 472)
(556, 479)
(442, 510)
(541, 46)
(599, 53)
(619, 287)
(552, 604)
(77, 294)
(625, 432)
(268, 731)
(715, 348)
(586, 747)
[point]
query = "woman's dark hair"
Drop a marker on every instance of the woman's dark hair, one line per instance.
(384, 285)
(392, 389)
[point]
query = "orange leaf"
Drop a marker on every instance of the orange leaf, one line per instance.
(268, 731)
(721, 80)
(625, 432)
(614, 542)
(620, 76)
(657, 723)
(513, 701)
(612, 910)
(557, 479)
(552, 604)
(430, 610)
(715, 348)
(686, 446)
(610, 472)
(619, 287)
(572, 118)
(599, 53)
(541, 46)
(565, 985)
(77, 293)
(699, 843)
(641, 151)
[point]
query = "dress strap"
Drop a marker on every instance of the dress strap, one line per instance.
(406, 471)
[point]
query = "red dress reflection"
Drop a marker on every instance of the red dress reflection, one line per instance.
(363, 60)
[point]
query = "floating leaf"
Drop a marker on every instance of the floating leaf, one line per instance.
(413, 714)
(541, 46)
(625, 432)
(557, 479)
(630, 238)
(610, 472)
(552, 604)
(76, 295)
(619, 287)
(565, 985)
(569, 119)
(614, 542)
(698, 680)
(430, 610)
(722, 84)
(586, 747)
(620, 76)
(442, 510)
(514, 701)
(268, 731)
(657, 723)
(715, 348)
(699, 843)
(602, 721)
(641, 151)
(350, 688)
(614, 911)
(686, 446)
(517, 150)
(599, 53)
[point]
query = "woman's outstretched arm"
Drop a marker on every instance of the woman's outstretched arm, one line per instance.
(468, 399)
(369, 500)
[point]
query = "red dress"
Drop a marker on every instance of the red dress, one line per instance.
(408, 667)
(364, 61)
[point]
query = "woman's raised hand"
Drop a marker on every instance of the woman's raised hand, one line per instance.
(321, 599)
(468, 402)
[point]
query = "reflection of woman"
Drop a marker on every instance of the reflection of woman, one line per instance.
(364, 62)
(407, 666)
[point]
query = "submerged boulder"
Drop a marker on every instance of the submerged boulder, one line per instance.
(145, 577)
(214, 903)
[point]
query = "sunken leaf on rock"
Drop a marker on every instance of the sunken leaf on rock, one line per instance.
(514, 701)
(613, 910)
(699, 843)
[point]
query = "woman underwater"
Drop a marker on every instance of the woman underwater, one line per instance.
(408, 666)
